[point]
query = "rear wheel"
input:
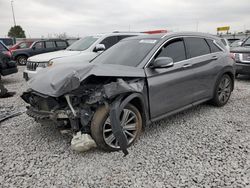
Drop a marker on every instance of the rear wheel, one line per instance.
(222, 91)
(101, 128)
(22, 60)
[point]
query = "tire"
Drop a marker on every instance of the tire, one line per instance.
(101, 123)
(21, 60)
(222, 91)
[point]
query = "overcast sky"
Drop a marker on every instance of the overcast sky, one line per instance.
(81, 17)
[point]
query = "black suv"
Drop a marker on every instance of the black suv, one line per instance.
(7, 66)
(39, 47)
(242, 57)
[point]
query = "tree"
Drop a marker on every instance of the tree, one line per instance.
(16, 32)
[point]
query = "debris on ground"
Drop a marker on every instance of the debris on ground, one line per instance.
(82, 142)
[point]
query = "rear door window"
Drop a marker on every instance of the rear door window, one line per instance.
(174, 49)
(109, 41)
(61, 44)
(196, 47)
(213, 47)
(50, 44)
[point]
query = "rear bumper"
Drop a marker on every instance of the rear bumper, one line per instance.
(9, 71)
(242, 68)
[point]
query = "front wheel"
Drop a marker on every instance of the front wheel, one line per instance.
(21, 60)
(222, 91)
(101, 129)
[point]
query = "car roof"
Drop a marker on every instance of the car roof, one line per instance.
(44, 40)
(173, 34)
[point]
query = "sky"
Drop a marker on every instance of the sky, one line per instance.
(79, 18)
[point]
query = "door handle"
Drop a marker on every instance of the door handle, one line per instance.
(187, 65)
(214, 57)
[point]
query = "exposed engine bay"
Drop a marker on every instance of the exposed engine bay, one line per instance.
(76, 108)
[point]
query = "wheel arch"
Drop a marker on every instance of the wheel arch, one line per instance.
(230, 72)
(22, 54)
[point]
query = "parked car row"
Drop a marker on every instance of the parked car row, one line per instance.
(242, 57)
(112, 95)
(82, 50)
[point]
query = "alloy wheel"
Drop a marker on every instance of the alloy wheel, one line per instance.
(224, 90)
(129, 123)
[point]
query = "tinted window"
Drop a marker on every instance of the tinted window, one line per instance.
(83, 43)
(174, 49)
(2, 48)
(127, 52)
(196, 47)
(109, 41)
(61, 44)
(247, 42)
(50, 44)
(213, 47)
(39, 45)
(124, 36)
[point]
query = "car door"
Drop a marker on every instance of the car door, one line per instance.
(170, 88)
(203, 65)
(37, 48)
(50, 46)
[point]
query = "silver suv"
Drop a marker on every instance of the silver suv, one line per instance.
(82, 50)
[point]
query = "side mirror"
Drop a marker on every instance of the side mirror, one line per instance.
(99, 48)
(33, 47)
(163, 62)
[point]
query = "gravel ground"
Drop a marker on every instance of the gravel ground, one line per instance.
(201, 147)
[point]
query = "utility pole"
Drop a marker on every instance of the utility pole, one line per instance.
(14, 19)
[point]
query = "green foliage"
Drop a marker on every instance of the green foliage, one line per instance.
(17, 32)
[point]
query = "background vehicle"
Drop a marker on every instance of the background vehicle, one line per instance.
(242, 57)
(39, 47)
(4, 49)
(7, 41)
(137, 81)
(80, 51)
(226, 43)
(21, 45)
(7, 66)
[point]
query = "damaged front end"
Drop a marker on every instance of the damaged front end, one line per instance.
(77, 107)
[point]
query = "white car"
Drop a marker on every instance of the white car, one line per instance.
(80, 51)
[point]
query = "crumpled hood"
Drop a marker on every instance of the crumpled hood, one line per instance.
(64, 78)
(45, 57)
(240, 49)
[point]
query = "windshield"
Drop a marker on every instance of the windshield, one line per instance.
(83, 43)
(128, 52)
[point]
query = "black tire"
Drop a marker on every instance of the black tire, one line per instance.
(22, 60)
(223, 89)
(99, 122)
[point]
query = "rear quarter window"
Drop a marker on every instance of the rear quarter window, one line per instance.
(61, 44)
(213, 47)
(196, 46)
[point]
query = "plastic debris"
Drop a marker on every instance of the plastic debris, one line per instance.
(82, 142)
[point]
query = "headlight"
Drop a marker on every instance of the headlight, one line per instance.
(50, 63)
(42, 64)
(237, 56)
